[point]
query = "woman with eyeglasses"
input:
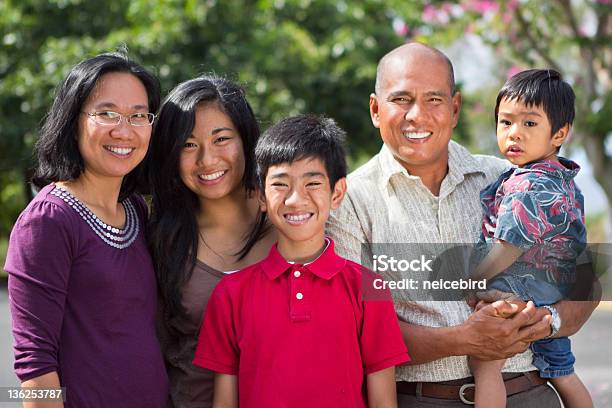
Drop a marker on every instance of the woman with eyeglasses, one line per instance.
(82, 288)
(205, 218)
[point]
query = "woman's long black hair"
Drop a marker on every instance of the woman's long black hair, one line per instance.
(57, 147)
(173, 228)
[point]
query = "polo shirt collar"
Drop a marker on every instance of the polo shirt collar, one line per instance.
(460, 163)
(325, 266)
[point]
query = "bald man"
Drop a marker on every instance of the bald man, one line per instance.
(424, 188)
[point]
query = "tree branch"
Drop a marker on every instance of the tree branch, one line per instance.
(587, 51)
(602, 38)
(571, 18)
(532, 42)
(595, 149)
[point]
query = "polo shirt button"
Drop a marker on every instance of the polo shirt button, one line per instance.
(296, 274)
(299, 296)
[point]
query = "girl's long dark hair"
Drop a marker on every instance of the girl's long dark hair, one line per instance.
(173, 229)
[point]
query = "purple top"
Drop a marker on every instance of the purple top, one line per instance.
(82, 307)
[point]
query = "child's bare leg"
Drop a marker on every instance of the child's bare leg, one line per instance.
(572, 391)
(490, 391)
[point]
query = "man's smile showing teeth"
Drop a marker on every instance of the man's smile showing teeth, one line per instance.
(417, 135)
(297, 219)
(123, 151)
(212, 176)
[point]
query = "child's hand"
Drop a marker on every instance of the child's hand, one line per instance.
(504, 308)
(492, 295)
(478, 299)
(471, 299)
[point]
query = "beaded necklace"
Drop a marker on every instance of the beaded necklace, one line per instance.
(115, 237)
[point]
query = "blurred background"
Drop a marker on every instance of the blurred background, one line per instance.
(296, 56)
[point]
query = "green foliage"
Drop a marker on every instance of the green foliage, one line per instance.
(11, 200)
(595, 225)
(600, 119)
(3, 249)
(570, 36)
(293, 56)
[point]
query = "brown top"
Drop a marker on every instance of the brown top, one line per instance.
(190, 386)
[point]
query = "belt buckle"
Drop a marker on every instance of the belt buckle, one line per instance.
(462, 390)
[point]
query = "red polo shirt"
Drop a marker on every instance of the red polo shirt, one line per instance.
(299, 335)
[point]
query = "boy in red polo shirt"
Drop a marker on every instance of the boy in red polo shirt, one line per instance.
(294, 329)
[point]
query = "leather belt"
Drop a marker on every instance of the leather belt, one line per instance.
(465, 392)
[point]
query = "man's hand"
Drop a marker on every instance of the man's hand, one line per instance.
(489, 336)
(502, 329)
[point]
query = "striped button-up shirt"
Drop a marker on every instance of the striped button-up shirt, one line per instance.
(385, 204)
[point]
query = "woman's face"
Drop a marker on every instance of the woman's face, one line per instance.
(212, 160)
(114, 150)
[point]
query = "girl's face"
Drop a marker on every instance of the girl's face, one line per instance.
(116, 149)
(212, 161)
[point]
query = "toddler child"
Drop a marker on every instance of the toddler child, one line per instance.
(533, 225)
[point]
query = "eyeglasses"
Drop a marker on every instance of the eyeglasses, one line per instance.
(114, 118)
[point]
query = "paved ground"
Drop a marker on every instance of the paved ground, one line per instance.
(591, 346)
(7, 377)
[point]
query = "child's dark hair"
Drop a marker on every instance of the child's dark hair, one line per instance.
(545, 88)
(299, 137)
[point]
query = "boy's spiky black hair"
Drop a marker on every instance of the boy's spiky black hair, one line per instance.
(299, 137)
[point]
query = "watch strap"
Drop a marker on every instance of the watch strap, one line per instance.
(555, 323)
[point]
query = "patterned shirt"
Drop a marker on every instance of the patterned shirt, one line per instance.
(539, 209)
(385, 204)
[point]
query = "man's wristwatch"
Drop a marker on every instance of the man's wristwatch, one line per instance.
(555, 324)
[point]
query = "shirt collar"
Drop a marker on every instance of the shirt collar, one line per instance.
(564, 168)
(325, 266)
(460, 163)
(461, 160)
